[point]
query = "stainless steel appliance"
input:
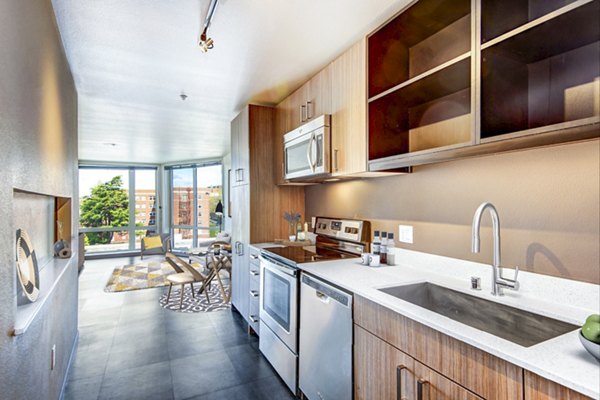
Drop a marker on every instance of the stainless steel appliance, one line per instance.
(307, 149)
(279, 317)
(280, 287)
(325, 361)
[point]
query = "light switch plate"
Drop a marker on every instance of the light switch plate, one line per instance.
(405, 233)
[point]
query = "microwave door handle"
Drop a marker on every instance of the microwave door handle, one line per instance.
(309, 154)
(314, 149)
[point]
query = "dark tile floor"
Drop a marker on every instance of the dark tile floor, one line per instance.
(131, 348)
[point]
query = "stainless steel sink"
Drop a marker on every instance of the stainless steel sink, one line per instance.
(518, 326)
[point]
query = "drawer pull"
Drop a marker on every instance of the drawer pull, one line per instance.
(253, 318)
(254, 256)
(254, 273)
(254, 293)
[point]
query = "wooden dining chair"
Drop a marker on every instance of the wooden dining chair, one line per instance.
(186, 274)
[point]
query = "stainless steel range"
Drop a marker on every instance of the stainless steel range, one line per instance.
(280, 288)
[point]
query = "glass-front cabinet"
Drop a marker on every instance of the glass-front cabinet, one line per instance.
(448, 79)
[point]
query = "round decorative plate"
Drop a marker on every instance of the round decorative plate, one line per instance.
(27, 266)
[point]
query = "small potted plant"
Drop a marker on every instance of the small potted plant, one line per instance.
(292, 218)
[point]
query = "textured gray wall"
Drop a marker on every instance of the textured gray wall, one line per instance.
(548, 201)
(38, 153)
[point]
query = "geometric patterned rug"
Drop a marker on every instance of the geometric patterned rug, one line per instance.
(197, 304)
(143, 275)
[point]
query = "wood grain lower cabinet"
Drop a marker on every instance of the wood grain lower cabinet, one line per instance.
(538, 388)
(380, 370)
(384, 372)
(481, 373)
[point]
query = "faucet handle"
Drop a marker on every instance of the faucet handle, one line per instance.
(514, 282)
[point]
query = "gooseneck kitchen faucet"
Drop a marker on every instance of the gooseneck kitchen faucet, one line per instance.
(498, 281)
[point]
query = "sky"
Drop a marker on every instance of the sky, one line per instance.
(145, 179)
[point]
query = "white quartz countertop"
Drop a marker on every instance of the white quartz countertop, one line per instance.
(562, 359)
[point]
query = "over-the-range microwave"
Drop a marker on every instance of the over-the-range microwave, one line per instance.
(307, 149)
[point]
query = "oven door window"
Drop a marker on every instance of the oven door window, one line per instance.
(296, 159)
(276, 298)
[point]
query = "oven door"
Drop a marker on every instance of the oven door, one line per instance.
(307, 154)
(279, 301)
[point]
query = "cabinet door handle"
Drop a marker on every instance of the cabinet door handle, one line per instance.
(253, 293)
(422, 386)
(241, 174)
(241, 249)
(335, 160)
(254, 273)
(253, 318)
(309, 114)
(399, 370)
(303, 113)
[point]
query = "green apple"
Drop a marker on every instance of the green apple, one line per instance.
(591, 331)
(593, 318)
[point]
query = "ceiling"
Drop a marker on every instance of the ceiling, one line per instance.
(131, 60)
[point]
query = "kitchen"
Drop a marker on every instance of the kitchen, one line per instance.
(418, 165)
(402, 199)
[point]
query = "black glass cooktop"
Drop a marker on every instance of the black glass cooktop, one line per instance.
(299, 255)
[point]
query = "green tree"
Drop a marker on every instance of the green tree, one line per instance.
(106, 206)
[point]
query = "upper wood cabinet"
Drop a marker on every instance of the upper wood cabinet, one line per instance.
(240, 150)
(349, 112)
(319, 94)
(311, 100)
(456, 78)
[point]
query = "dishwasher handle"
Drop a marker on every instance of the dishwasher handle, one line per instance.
(322, 296)
(326, 292)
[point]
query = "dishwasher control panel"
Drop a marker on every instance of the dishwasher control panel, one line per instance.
(326, 290)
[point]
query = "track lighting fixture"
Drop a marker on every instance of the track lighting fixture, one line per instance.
(206, 43)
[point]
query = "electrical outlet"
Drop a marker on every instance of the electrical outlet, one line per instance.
(53, 358)
(405, 233)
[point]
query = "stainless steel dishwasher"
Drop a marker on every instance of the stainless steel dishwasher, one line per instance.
(325, 349)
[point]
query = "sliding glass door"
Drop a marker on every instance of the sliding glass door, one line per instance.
(195, 192)
(118, 206)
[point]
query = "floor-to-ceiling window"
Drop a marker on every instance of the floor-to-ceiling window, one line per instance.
(118, 206)
(195, 192)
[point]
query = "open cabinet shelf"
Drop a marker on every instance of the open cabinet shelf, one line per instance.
(431, 112)
(540, 78)
(424, 36)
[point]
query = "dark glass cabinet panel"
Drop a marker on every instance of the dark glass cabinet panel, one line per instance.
(546, 75)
